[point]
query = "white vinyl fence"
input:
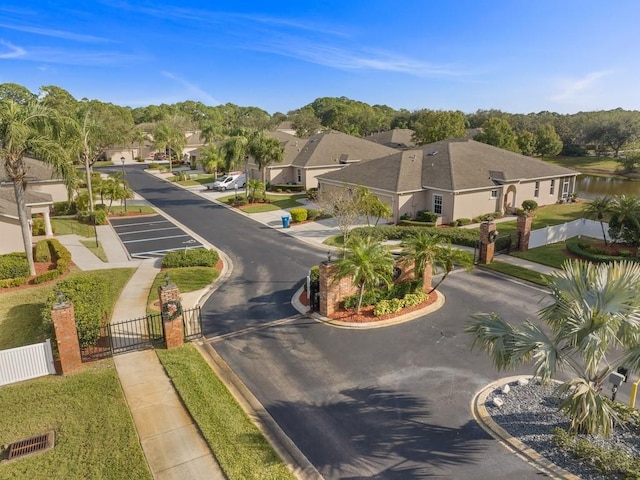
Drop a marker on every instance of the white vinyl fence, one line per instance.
(23, 363)
(559, 233)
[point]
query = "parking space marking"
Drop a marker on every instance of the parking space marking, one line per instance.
(155, 238)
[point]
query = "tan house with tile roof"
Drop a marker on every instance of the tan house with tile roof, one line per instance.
(306, 158)
(458, 178)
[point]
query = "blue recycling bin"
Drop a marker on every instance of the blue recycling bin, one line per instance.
(286, 219)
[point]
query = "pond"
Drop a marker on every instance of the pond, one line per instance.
(590, 186)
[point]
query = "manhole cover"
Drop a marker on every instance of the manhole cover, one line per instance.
(22, 448)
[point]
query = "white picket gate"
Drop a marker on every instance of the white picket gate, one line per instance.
(23, 363)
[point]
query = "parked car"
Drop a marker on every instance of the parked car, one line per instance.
(228, 182)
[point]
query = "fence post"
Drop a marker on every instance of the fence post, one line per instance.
(524, 232)
(64, 324)
(171, 309)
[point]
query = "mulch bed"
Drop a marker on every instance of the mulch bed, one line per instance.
(366, 313)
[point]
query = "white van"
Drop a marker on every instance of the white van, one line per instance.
(228, 182)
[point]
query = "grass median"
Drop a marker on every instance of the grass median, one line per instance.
(240, 448)
(518, 272)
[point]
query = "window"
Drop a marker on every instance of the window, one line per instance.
(565, 187)
(536, 190)
(552, 188)
(437, 204)
(494, 193)
(299, 176)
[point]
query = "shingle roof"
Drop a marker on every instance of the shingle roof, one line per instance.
(395, 138)
(36, 171)
(453, 165)
(331, 148)
(8, 200)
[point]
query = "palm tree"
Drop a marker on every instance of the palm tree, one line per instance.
(624, 223)
(594, 323)
(30, 128)
(139, 136)
(428, 252)
(367, 262)
(168, 137)
(234, 151)
(211, 158)
(265, 151)
(598, 208)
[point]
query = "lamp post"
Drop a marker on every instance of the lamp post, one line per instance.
(124, 184)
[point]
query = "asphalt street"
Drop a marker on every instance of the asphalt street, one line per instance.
(388, 403)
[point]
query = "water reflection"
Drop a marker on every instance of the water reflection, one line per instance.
(590, 186)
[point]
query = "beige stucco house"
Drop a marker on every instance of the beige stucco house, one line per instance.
(43, 188)
(306, 158)
(458, 178)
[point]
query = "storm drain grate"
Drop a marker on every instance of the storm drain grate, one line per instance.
(21, 448)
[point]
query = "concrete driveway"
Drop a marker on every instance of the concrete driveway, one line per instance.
(387, 403)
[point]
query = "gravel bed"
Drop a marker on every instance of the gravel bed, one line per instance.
(530, 413)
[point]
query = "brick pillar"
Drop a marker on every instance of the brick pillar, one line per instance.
(331, 293)
(173, 328)
(487, 237)
(524, 232)
(64, 324)
(427, 277)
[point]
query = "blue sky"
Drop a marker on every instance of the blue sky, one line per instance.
(514, 55)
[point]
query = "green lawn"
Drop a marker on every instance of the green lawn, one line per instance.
(67, 226)
(553, 255)
(197, 179)
(20, 321)
(97, 251)
(187, 279)
(240, 448)
(94, 434)
(590, 165)
(277, 202)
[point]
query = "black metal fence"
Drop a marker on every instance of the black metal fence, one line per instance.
(138, 334)
(506, 243)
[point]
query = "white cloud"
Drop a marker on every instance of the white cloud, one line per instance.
(55, 33)
(9, 50)
(192, 89)
(576, 89)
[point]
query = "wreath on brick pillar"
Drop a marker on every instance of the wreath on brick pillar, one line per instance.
(171, 310)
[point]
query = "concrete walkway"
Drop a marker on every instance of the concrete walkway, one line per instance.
(172, 444)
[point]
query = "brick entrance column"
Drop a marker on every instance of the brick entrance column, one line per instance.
(64, 324)
(173, 328)
(487, 237)
(331, 293)
(524, 232)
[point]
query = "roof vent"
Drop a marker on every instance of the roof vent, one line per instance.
(22, 448)
(435, 152)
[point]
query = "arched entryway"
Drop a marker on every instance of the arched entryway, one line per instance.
(509, 203)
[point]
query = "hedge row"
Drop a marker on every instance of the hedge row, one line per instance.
(193, 257)
(45, 250)
(457, 236)
(585, 250)
(372, 297)
(384, 307)
(89, 295)
(13, 265)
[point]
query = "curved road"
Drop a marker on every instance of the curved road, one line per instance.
(390, 403)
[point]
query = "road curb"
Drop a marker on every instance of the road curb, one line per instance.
(532, 457)
(297, 462)
(303, 309)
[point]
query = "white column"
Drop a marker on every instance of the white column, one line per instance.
(47, 224)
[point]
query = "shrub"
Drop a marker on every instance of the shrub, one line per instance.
(64, 208)
(193, 257)
(416, 223)
(287, 188)
(529, 206)
(585, 250)
(60, 256)
(384, 307)
(457, 236)
(312, 213)
(406, 216)
(369, 298)
(99, 217)
(312, 194)
(298, 214)
(427, 216)
(42, 252)
(37, 228)
(464, 221)
(13, 265)
(153, 166)
(413, 299)
(88, 293)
